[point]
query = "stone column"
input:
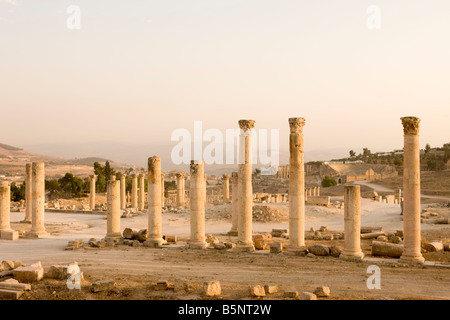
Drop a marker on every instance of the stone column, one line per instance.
(92, 178)
(352, 224)
(245, 241)
(141, 203)
(113, 211)
(28, 199)
(318, 191)
(315, 191)
(5, 206)
(38, 202)
(296, 187)
(197, 205)
(411, 192)
(123, 191)
(234, 204)
(162, 190)
(134, 191)
(226, 188)
(154, 239)
(180, 190)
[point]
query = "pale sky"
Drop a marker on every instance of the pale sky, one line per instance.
(138, 70)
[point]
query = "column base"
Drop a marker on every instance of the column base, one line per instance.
(9, 235)
(351, 256)
(197, 245)
(154, 243)
(244, 247)
(36, 234)
(233, 233)
(299, 251)
(113, 236)
(26, 221)
(412, 259)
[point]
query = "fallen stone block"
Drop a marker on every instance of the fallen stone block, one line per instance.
(27, 274)
(10, 294)
(307, 296)
(220, 246)
(335, 251)
(212, 289)
(387, 249)
(171, 239)
(290, 294)
(59, 271)
(279, 232)
(322, 291)
(102, 285)
(447, 246)
(382, 238)
(9, 235)
(319, 250)
(372, 235)
(323, 229)
(260, 242)
(7, 265)
(257, 291)
(276, 247)
(270, 289)
(367, 229)
(15, 286)
(396, 239)
(433, 246)
(164, 285)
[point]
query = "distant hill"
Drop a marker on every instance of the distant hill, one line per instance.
(13, 161)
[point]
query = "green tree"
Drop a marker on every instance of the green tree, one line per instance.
(328, 182)
(352, 154)
(427, 148)
(17, 193)
(398, 162)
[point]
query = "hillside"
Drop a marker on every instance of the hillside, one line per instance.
(13, 161)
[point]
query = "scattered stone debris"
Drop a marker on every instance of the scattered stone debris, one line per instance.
(307, 296)
(276, 247)
(102, 285)
(322, 291)
(257, 291)
(29, 273)
(212, 289)
(270, 289)
(290, 294)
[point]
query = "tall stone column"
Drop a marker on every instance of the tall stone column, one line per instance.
(234, 204)
(352, 224)
(197, 205)
(38, 202)
(318, 191)
(154, 239)
(245, 189)
(162, 190)
(226, 188)
(28, 188)
(134, 191)
(296, 187)
(5, 205)
(123, 191)
(92, 180)
(141, 203)
(315, 191)
(411, 192)
(180, 190)
(113, 210)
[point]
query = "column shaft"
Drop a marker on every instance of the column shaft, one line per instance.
(28, 195)
(352, 223)
(113, 210)
(154, 203)
(197, 205)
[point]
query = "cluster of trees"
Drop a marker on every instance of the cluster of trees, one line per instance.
(67, 187)
(328, 182)
(435, 160)
(17, 192)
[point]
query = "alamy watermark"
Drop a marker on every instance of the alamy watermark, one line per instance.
(226, 148)
(73, 22)
(374, 281)
(74, 279)
(373, 21)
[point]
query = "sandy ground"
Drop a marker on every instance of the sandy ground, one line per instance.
(136, 270)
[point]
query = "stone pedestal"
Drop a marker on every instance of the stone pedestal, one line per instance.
(352, 224)
(411, 192)
(123, 191)
(134, 191)
(28, 188)
(92, 180)
(197, 205)
(38, 202)
(296, 187)
(245, 241)
(113, 210)
(6, 233)
(226, 188)
(234, 205)
(154, 238)
(180, 190)
(141, 200)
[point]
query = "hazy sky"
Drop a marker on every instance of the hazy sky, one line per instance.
(137, 70)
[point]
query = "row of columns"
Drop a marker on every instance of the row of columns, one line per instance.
(312, 192)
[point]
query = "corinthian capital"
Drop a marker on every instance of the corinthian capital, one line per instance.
(410, 125)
